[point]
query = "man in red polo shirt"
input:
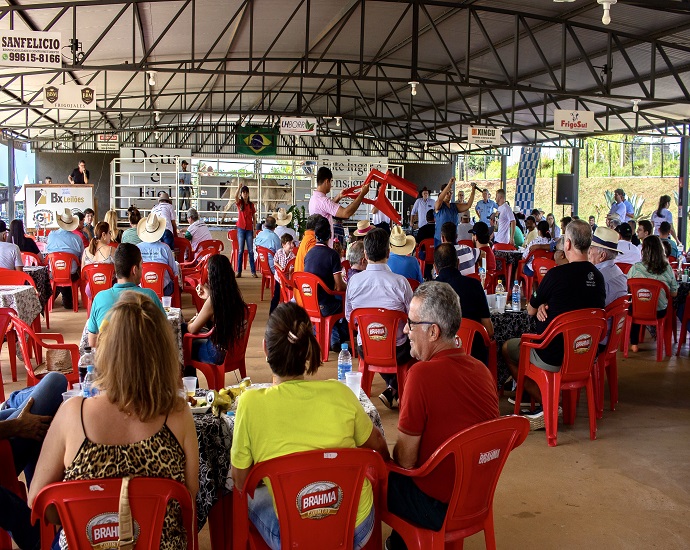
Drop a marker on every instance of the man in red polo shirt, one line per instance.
(446, 392)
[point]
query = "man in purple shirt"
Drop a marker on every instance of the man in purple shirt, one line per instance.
(321, 203)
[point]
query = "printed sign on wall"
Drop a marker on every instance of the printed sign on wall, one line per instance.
(573, 121)
(69, 96)
(30, 49)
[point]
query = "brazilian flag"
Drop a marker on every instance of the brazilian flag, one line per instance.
(256, 141)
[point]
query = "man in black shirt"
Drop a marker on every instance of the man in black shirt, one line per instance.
(472, 298)
(80, 175)
(427, 230)
(568, 287)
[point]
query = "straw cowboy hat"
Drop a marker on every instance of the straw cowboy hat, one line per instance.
(67, 220)
(606, 238)
(401, 244)
(363, 227)
(282, 218)
(151, 228)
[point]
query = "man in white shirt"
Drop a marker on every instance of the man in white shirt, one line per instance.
(629, 253)
(506, 220)
(198, 231)
(164, 209)
(10, 255)
(464, 227)
(420, 208)
(282, 221)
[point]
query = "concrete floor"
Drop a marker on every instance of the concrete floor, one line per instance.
(628, 489)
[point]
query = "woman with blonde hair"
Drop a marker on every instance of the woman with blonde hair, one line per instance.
(138, 424)
(111, 220)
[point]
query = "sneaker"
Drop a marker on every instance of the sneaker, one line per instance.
(238, 275)
(388, 398)
(255, 275)
(523, 405)
(536, 420)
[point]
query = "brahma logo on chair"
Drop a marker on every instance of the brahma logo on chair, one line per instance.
(377, 331)
(644, 295)
(306, 289)
(103, 531)
(151, 277)
(620, 325)
(582, 343)
(60, 264)
(99, 278)
(489, 456)
(319, 499)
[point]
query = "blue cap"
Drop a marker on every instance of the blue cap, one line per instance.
(89, 368)
(343, 346)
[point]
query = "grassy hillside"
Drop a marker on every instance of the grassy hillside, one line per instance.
(591, 194)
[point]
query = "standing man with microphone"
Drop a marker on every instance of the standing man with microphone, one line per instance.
(80, 175)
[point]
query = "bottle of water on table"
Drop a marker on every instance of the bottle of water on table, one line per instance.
(516, 296)
(344, 362)
(87, 387)
(84, 361)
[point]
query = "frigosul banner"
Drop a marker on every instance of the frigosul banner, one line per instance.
(573, 121)
(30, 49)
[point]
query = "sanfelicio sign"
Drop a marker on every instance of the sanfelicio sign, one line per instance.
(573, 121)
(30, 49)
(297, 126)
(484, 135)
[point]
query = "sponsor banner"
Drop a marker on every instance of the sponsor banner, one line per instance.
(350, 171)
(44, 202)
(30, 49)
(107, 142)
(484, 135)
(297, 126)
(256, 141)
(319, 500)
(573, 121)
(69, 96)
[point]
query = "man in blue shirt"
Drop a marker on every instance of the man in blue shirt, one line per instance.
(629, 210)
(421, 206)
(128, 265)
(150, 230)
(400, 261)
(618, 206)
(445, 211)
(485, 207)
(63, 240)
(268, 239)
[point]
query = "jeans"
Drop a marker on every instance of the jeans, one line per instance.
(409, 502)
(169, 289)
(185, 200)
(204, 351)
(263, 516)
(47, 395)
(16, 519)
(169, 239)
(245, 236)
(340, 333)
(276, 297)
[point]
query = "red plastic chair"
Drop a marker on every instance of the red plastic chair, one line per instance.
(212, 245)
(12, 277)
(294, 477)
(468, 329)
(194, 278)
(479, 454)
(427, 247)
(287, 288)
(607, 363)
(541, 267)
(7, 330)
(378, 329)
(183, 250)
(466, 242)
(503, 267)
(29, 258)
(80, 502)
(645, 296)
(232, 237)
(307, 286)
(234, 358)
(153, 277)
(9, 480)
(60, 269)
(527, 279)
(267, 279)
(414, 283)
(32, 345)
(582, 330)
(624, 267)
(98, 277)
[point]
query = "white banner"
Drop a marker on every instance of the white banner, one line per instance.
(107, 142)
(573, 121)
(349, 171)
(297, 126)
(45, 202)
(484, 135)
(69, 96)
(30, 49)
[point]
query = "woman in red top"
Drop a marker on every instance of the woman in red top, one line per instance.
(246, 221)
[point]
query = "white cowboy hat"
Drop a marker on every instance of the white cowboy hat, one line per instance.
(606, 238)
(67, 220)
(363, 227)
(282, 218)
(151, 228)
(401, 244)
(164, 197)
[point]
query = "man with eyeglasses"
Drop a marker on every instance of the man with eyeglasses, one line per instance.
(378, 286)
(445, 393)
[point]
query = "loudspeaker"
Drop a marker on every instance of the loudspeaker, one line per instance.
(565, 189)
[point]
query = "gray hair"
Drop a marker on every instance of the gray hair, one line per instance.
(610, 254)
(193, 214)
(440, 305)
(580, 235)
(356, 253)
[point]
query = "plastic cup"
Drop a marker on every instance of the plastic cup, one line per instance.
(70, 393)
(353, 380)
(189, 385)
(501, 302)
(167, 301)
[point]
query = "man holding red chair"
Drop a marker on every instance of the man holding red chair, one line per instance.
(445, 392)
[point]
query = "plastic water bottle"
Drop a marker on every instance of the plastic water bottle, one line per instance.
(344, 362)
(482, 277)
(500, 289)
(84, 361)
(516, 296)
(87, 387)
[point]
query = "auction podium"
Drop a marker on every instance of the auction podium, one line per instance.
(43, 203)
